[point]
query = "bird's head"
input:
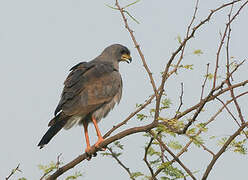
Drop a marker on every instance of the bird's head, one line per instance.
(117, 52)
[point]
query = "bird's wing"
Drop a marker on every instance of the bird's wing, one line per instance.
(87, 87)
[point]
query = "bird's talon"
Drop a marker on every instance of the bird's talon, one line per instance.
(97, 145)
(87, 150)
(89, 157)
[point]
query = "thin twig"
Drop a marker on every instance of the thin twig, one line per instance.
(222, 41)
(145, 157)
(166, 73)
(204, 83)
(121, 164)
(173, 155)
(222, 150)
(187, 35)
(138, 47)
(181, 101)
(13, 172)
(147, 102)
(228, 111)
(228, 80)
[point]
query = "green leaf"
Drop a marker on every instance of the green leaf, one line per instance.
(209, 76)
(155, 162)
(118, 145)
(141, 116)
(111, 7)
(222, 141)
(74, 176)
(198, 52)
(179, 39)
(165, 178)
(106, 154)
(197, 140)
(175, 145)
(233, 65)
(191, 131)
(202, 127)
(188, 66)
(212, 137)
(166, 103)
(152, 152)
(173, 172)
(136, 174)
(135, 20)
(239, 146)
(138, 105)
(131, 4)
(47, 168)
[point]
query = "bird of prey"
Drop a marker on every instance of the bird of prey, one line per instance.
(90, 91)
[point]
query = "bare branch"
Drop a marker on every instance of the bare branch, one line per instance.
(121, 164)
(93, 149)
(222, 40)
(13, 172)
(222, 150)
(145, 158)
(138, 47)
(173, 155)
(181, 101)
(147, 102)
(204, 83)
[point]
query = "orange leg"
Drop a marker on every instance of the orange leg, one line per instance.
(86, 136)
(100, 138)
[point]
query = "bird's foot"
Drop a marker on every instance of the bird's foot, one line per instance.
(97, 145)
(87, 151)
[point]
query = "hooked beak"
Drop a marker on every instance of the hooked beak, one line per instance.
(126, 57)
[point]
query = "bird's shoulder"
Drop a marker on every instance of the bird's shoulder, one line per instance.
(85, 76)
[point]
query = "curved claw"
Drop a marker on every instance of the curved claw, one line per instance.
(99, 141)
(87, 151)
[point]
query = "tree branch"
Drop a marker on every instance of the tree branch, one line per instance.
(222, 150)
(121, 164)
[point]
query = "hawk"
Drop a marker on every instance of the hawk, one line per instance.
(90, 91)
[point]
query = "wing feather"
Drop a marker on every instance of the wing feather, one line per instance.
(87, 87)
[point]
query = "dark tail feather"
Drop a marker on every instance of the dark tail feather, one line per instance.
(58, 123)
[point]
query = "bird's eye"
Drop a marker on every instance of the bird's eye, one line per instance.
(123, 52)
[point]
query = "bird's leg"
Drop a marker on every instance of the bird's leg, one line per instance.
(100, 138)
(85, 123)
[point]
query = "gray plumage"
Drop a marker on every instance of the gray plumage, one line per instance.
(91, 89)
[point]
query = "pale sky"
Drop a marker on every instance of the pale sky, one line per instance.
(41, 40)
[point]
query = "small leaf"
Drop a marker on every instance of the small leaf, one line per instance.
(212, 137)
(106, 154)
(141, 116)
(166, 103)
(74, 176)
(191, 131)
(188, 66)
(197, 140)
(118, 144)
(209, 76)
(175, 145)
(131, 4)
(198, 52)
(152, 152)
(111, 7)
(202, 127)
(179, 39)
(136, 174)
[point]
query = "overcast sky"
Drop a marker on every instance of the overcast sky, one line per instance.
(41, 40)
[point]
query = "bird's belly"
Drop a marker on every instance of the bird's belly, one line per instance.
(74, 120)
